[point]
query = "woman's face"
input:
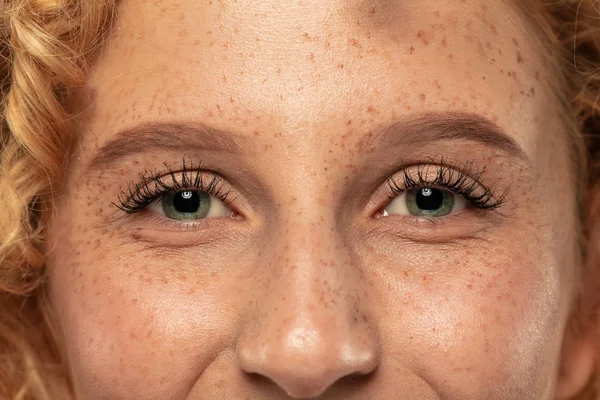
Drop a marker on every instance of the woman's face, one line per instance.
(349, 200)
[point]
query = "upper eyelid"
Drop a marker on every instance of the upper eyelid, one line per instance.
(141, 191)
(464, 180)
(442, 174)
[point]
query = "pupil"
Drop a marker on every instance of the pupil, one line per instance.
(430, 199)
(186, 202)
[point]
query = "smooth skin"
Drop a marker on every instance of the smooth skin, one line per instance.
(314, 282)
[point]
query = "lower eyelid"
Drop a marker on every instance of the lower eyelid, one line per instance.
(453, 228)
(158, 223)
(155, 232)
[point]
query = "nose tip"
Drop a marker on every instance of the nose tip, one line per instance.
(305, 364)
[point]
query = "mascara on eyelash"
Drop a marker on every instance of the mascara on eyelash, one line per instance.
(461, 181)
(152, 187)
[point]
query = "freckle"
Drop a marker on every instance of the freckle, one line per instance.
(519, 58)
(516, 42)
(340, 66)
(532, 91)
(412, 49)
(349, 122)
(425, 280)
(537, 76)
(421, 36)
(353, 42)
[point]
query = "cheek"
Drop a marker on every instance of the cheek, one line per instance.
(457, 317)
(126, 315)
(464, 321)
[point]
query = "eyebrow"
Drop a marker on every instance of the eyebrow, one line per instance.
(149, 137)
(434, 127)
(423, 129)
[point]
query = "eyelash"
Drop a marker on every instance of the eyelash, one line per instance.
(152, 187)
(461, 181)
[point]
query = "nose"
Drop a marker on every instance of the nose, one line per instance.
(309, 328)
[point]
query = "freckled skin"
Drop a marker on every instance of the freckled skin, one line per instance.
(307, 294)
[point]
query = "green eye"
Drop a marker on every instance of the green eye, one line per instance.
(426, 202)
(429, 202)
(190, 204)
(186, 204)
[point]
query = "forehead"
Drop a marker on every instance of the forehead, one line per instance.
(300, 70)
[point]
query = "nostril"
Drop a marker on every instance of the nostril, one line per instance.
(306, 368)
(306, 388)
(304, 385)
(304, 350)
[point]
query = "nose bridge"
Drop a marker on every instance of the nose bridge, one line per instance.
(305, 334)
(315, 268)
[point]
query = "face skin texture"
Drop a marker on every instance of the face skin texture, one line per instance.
(303, 287)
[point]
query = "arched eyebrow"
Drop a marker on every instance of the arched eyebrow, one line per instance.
(178, 137)
(458, 127)
(416, 131)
